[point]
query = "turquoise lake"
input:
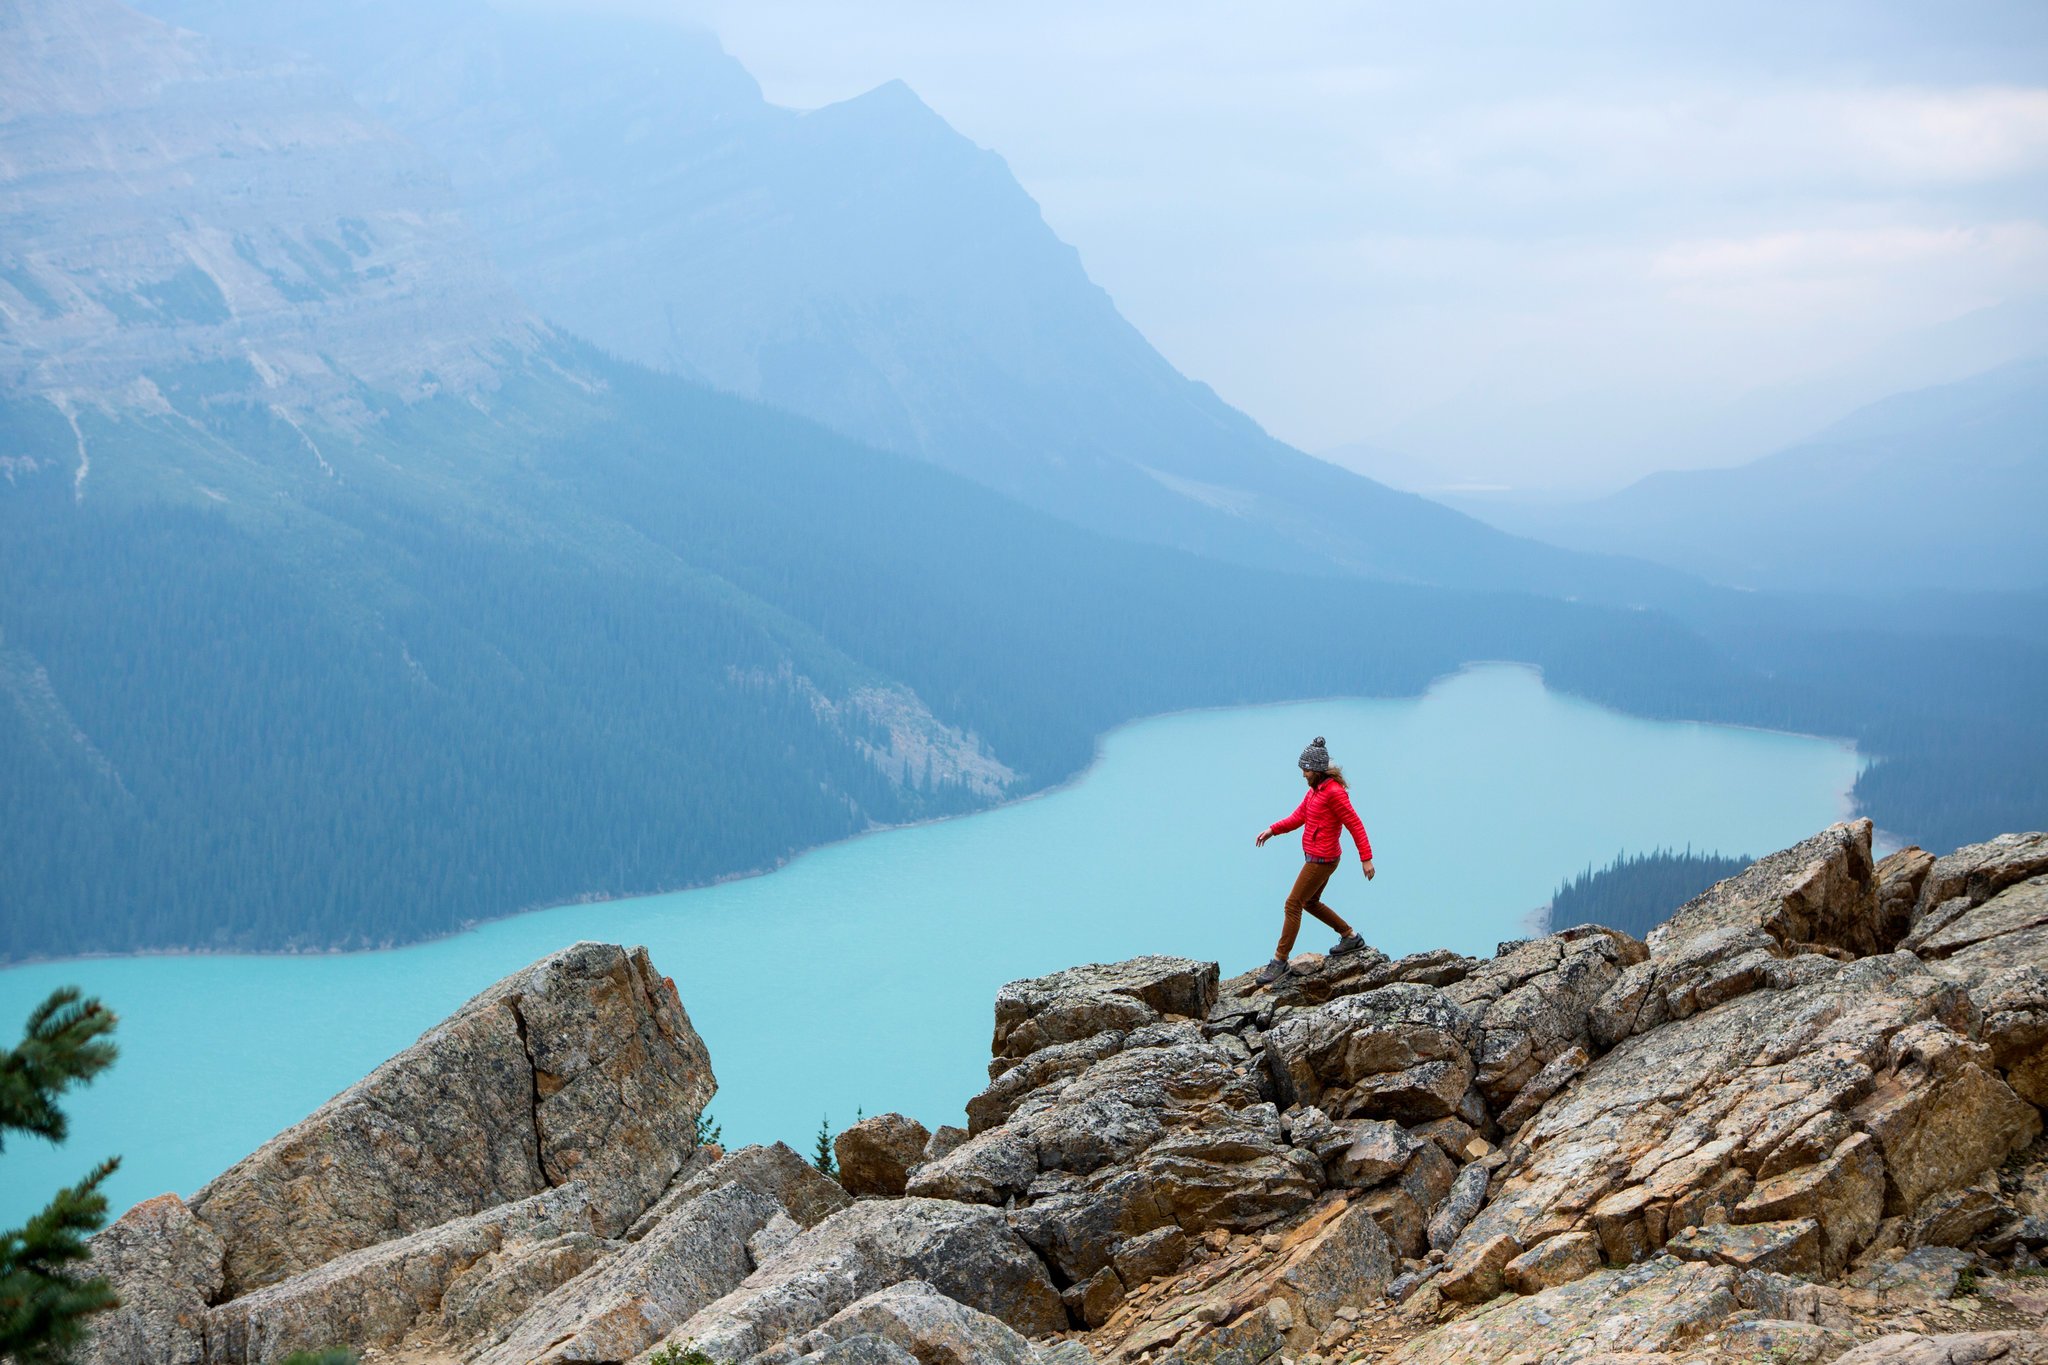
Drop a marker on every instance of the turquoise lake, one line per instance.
(862, 974)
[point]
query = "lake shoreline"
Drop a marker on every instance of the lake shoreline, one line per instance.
(1846, 803)
(861, 976)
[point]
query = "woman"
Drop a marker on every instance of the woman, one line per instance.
(1325, 810)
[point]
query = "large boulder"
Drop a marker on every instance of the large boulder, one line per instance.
(581, 1067)
(1084, 1001)
(965, 1252)
(1821, 892)
(875, 1155)
(1401, 1052)
(166, 1267)
(623, 1305)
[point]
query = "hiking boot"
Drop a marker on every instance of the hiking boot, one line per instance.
(1350, 943)
(1273, 971)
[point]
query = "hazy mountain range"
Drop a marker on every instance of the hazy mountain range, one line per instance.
(862, 264)
(1950, 479)
(349, 596)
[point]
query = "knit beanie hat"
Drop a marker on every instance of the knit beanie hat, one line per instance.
(1315, 758)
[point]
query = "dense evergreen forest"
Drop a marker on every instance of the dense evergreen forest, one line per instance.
(1637, 892)
(590, 642)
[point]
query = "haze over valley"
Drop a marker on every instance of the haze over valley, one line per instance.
(419, 413)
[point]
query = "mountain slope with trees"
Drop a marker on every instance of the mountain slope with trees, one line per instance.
(343, 601)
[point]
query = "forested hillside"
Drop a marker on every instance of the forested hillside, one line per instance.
(664, 636)
(1637, 892)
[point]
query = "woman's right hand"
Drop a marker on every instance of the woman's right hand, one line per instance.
(1264, 835)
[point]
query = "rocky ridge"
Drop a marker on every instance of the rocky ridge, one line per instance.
(1802, 1122)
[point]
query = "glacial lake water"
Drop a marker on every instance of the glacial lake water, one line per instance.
(862, 974)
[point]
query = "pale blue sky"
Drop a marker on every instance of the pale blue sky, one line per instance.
(1546, 245)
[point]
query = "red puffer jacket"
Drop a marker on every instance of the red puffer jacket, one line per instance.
(1319, 816)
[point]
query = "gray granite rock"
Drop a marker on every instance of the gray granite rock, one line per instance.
(1823, 1101)
(775, 1170)
(166, 1267)
(623, 1305)
(932, 1328)
(1084, 1001)
(376, 1295)
(965, 1252)
(1401, 1052)
(582, 1067)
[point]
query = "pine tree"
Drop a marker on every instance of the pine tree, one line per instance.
(821, 1155)
(43, 1302)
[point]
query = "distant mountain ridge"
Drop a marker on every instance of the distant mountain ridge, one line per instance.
(172, 208)
(1950, 478)
(866, 266)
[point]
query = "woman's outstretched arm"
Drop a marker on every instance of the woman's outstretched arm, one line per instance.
(1294, 821)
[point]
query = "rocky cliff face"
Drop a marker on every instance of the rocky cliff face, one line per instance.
(173, 212)
(1801, 1123)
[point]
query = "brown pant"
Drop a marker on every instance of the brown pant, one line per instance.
(1307, 895)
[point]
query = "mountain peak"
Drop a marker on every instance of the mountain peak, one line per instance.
(168, 204)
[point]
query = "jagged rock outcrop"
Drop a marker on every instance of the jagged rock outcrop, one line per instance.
(1084, 1002)
(626, 1303)
(775, 1170)
(1853, 1096)
(583, 1067)
(967, 1253)
(1768, 926)
(1172, 1129)
(1800, 1117)
(376, 1295)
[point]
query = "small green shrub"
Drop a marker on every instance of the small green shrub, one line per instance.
(333, 1355)
(676, 1354)
(709, 1133)
(1966, 1280)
